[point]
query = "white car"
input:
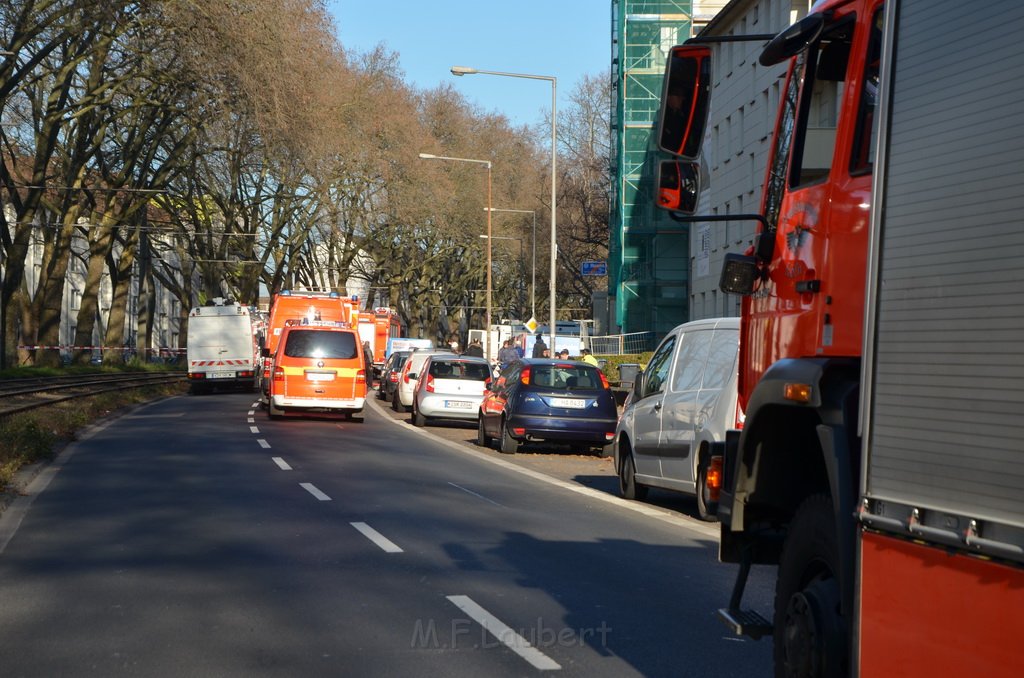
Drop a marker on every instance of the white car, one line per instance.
(450, 387)
(401, 400)
(684, 401)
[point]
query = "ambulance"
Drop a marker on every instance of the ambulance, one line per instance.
(304, 306)
(317, 369)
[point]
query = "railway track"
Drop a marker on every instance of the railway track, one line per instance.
(19, 395)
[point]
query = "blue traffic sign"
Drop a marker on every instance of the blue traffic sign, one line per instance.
(594, 268)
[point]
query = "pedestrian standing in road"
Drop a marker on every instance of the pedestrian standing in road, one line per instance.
(539, 348)
(475, 349)
(368, 363)
(588, 358)
(506, 355)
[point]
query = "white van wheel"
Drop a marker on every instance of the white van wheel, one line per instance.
(628, 487)
(703, 494)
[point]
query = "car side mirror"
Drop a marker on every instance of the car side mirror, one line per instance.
(638, 384)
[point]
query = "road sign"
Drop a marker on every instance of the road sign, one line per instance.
(531, 324)
(594, 268)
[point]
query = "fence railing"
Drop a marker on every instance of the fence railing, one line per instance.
(619, 344)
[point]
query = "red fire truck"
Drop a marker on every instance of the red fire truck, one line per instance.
(881, 464)
(376, 328)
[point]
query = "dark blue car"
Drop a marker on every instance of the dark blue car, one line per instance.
(558, 401)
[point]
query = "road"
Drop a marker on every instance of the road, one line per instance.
(194, 536)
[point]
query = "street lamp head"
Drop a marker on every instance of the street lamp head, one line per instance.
(463, 70)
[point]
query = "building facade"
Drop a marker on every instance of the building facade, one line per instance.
(649, 253)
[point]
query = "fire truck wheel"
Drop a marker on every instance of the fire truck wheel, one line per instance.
(509, 445)
(628, 487)
(810, 630)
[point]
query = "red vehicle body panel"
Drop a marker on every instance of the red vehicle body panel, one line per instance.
(929, 612)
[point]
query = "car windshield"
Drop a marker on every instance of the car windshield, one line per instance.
(459, 370)
(321, 344)
(567, 376)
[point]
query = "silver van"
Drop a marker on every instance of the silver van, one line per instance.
(684, 401)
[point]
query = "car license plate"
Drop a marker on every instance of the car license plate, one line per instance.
(320, 376)
(222, 375)
(458, 405)
(570, 403)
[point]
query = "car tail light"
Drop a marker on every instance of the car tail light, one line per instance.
(405, 376)
(714, 478)
(393, 377)
(197, 375)
(524, 376)
(246, 373)
(428, 385)
(604, 383)
(361, 377)
(278, 374)
(519, 431)
(609, 436)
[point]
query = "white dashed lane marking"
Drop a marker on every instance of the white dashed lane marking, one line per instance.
(312, 489)
(263, 443)
(377, 538)
(281, 464)
(504, 634)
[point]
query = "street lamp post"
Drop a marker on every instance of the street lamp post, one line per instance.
(487, 164)
(464, 70)
(533, 273)
(520, 304)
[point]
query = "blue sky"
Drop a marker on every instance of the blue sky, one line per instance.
(566, 39)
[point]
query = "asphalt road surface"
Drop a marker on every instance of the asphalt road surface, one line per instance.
(195, 537)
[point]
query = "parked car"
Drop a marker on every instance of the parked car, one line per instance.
(389, 374)
(318, 368)
(450, 387)
(401, 399)
(685, 400)
(556, 401)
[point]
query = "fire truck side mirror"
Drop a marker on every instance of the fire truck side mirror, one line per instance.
(792, 40)
(684, 101)
(678, 186)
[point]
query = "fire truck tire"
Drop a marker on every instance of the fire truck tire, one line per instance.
(810, 631)
(482, 439)
(509, 445)
(628, 487)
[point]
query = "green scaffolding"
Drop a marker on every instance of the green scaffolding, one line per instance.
(649, 253)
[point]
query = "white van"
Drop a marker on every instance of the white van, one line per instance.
(222, 350)
(684, 401)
